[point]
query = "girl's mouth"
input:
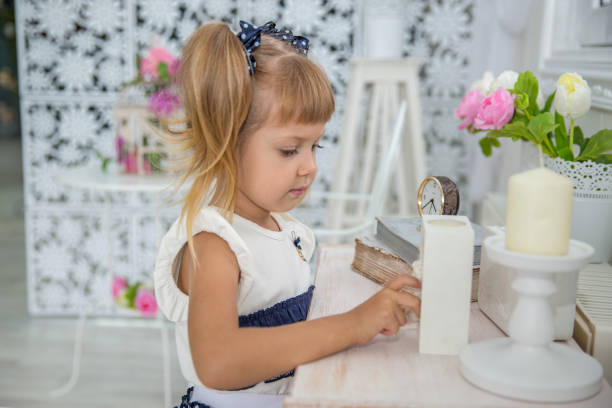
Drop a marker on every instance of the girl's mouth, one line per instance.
(297, 191)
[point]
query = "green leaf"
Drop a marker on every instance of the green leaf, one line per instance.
(560, 125)
(495, 142)
(520, 117)
(162, 72)
(604, 159)
(579, 139)
(549, 102)
(522, 101)
(597, 145)
(551, 149)
(154, 159)
(540, 125)
(130, 293)
(516, 129)
(105, 164)
(485, 146)
(527, 83)
(565, 153)
(561, 140)
(105, 160)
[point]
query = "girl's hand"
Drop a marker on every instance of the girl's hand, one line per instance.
(385, 312)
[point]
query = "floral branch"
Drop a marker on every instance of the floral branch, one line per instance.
(512, 106)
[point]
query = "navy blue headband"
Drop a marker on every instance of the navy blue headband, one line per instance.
(250, 36)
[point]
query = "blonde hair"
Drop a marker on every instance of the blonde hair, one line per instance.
(218, 94)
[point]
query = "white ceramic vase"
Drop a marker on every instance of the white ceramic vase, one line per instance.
(592, 207)
(383, 28)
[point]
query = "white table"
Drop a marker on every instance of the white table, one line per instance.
(389, 371)
(93, 178)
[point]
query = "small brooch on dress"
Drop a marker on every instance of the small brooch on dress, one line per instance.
(296, 242)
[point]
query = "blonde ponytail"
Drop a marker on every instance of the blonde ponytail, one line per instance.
(216, 91)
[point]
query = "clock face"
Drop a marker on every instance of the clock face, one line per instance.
(431, 199)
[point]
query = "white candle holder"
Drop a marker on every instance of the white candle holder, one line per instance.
(528, 365)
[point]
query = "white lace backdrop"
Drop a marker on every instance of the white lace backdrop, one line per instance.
(73, 58)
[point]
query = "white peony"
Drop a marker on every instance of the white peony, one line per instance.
(506, 80)
(573, 97)
(483, 84)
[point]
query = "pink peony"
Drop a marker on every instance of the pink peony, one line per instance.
(157, 55)
(468, 108)
(145, 302)
(118, 285)
(496, 110)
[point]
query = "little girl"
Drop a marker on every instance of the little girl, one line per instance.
(232, 272)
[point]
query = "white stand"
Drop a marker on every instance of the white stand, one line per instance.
(529, 365)
(382, 85)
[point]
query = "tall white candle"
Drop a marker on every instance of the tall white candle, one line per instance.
(539, 213)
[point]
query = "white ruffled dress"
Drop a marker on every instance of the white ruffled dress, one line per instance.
(275, 285)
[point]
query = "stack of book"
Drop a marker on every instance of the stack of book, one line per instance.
(395, 246)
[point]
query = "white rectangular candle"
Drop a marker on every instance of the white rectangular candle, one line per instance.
(539, 213)
(447, 251)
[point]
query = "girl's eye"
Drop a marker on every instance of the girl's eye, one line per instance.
(316, 145)
(288, 153)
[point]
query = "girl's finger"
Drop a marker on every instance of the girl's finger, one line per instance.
(406, 300)
(401, 280)
(400, 315)
(391, 328)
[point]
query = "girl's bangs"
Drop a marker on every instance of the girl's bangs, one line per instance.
(303, 93)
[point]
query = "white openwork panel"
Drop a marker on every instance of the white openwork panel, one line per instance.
(74, 56)
(73, 47)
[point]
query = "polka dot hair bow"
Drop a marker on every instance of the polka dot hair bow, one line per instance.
(250, 36)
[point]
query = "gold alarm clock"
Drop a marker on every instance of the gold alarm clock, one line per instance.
(438, 195)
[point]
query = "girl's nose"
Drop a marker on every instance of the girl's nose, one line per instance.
(308, 165)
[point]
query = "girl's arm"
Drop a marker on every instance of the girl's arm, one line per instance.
(228, 357)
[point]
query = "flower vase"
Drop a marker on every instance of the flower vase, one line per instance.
(592, 206)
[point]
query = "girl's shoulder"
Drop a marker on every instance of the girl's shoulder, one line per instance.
(172, 301)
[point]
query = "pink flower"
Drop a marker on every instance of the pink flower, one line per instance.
(119, 142)
(146, 166)
(145, 302)
(496, 110)
(157, 55)
(468, 108)
(163, 102)
(173, 68)
(130, 163)
(118, 285)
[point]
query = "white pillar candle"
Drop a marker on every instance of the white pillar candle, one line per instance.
(539, 214)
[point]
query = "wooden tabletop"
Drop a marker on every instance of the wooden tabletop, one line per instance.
(389, 371)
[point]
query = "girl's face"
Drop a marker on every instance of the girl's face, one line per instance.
(276, 166)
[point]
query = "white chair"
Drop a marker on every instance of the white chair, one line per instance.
(381, 185)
